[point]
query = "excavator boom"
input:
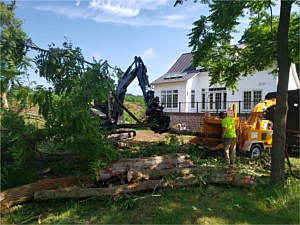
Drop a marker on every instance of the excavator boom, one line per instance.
(157, 120)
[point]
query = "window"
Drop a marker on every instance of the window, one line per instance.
(175, 98)
(193, 99)
(169, 98)
(251, 98)
(173, 76)
(203, 100)
(218, 100)
(217, 89)
(224, 100)
(211, 101)
(163, 98)
(214, 98)
(256, 97)
(247, 100)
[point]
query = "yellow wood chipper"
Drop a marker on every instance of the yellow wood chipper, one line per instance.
(253, 135)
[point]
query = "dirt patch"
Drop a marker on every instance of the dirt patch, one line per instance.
(150, 136)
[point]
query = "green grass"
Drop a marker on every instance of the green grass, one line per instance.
(189, 205)
(202, 204)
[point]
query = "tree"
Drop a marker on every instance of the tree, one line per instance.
(267, 40)
(68, 124)
(12, 50)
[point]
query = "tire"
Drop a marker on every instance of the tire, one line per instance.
(255, 151)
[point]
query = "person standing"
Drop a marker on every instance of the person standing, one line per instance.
(228, 137)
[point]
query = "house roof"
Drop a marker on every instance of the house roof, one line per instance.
(182, 70)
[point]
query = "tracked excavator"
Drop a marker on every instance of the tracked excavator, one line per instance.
(112, 110)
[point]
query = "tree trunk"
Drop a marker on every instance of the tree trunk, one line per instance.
(68, 187)
(24, 193)
(120, 168)
(206, 173)
(227, 179)
(135, 175)
(280, 117)
(4, 100)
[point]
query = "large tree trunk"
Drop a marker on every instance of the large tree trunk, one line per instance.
(24, 193)
(203, 171)
(224, 178)
(209, 174)
(120, 168)
(283, 60)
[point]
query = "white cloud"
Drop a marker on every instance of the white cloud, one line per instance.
(114, 8)
(67, 11)
(174, 17)
(77, 2)
(149, 53)
(123, 8)
(143, 21)
(175, 21)
(125, 12)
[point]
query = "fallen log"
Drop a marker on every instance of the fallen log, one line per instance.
(135, 175)
(17, 195)
(209, 174)
(120, 168)
(146, 185)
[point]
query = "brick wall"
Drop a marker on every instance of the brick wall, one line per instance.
(192, 120)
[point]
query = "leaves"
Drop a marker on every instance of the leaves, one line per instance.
(18, 146)
(11, 47)
(210, 40)
(76, 84)
(69, 126)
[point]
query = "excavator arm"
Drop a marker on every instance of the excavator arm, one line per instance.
(157, 120)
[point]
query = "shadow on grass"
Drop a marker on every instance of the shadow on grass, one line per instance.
(189, 205)
(219, 205)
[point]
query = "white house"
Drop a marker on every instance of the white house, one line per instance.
(186, 89)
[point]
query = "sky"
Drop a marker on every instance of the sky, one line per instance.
(114, 30)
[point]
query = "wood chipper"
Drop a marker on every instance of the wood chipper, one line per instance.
(253, 135)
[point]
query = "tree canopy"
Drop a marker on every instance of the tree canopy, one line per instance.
(13, 51)
(269, 41)
(67, 124)
(210, 39)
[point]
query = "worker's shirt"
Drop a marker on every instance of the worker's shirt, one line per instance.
(229, 123)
